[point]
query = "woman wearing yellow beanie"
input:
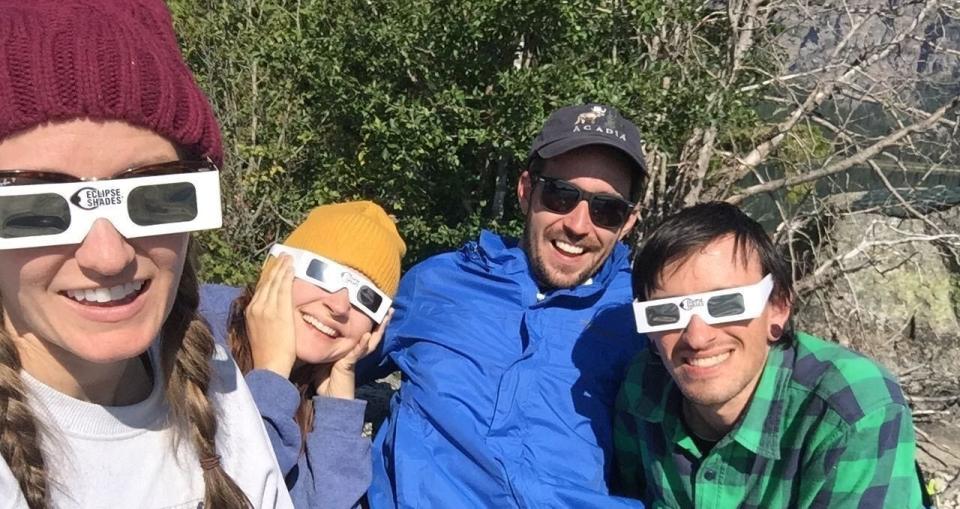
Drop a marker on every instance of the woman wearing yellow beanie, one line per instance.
(321, 303)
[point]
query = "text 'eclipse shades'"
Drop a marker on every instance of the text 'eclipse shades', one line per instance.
(560, 196)
(175, 197)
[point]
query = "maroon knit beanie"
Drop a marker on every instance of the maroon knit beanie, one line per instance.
(102, 60)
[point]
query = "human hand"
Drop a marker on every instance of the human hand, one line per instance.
(339, 379)
(270, 318)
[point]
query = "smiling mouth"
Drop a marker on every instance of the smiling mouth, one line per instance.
(106, 297)
(317, 324)
(568, 248)
(708, 362)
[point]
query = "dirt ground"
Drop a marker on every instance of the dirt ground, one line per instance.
(939, 455)
(935, 398)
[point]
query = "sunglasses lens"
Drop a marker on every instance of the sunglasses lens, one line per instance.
(725, 305)
(369, 298)
(33, 215)
(162, 204)
(608, 212)
(662, 314)
(558, 196)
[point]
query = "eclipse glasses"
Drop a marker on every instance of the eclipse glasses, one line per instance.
(719, 306)
(332, 277)
(50, 209)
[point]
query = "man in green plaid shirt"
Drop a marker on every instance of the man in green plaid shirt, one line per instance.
(729, 410)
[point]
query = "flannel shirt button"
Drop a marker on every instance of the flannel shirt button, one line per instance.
(710, 475)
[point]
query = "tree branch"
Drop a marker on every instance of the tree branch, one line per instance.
(845, 164)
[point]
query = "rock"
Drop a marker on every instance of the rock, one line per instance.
(899, 302)
(377, 395)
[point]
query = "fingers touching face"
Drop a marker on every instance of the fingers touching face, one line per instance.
(328, 327)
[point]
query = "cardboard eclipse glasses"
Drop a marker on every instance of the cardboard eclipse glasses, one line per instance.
(175, 197)
(719, 306)
(332, 277)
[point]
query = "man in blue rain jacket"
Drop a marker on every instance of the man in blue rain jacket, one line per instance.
(512, 352)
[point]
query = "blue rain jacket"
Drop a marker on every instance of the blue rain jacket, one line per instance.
(507, 393)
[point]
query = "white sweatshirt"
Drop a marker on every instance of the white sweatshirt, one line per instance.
(111, 457)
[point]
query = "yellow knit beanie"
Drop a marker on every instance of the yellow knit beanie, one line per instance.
(357, 234)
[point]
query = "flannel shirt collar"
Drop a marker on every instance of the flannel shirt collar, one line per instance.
(760, 427)
(758, 430)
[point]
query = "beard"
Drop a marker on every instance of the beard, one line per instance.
(547, 279)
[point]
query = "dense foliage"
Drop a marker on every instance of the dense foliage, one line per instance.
(428, 106)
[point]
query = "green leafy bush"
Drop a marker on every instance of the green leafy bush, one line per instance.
(427, 107)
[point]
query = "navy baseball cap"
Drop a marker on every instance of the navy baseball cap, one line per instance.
(573, 127)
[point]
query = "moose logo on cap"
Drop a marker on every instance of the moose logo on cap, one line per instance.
(591, 117)
(590, 121)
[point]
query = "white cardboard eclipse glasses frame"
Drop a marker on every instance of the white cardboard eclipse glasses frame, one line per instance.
(52, 214)
(332, 276)
(719, 306)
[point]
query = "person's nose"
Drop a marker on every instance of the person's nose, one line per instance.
(577, 222)
(339, 303)
(104, 250)
(698, 334)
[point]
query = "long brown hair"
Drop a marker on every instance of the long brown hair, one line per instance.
(187, 347)
(303, 377)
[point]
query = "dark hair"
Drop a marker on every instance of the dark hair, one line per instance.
(638, 177)
(680, 235)
(304, 378)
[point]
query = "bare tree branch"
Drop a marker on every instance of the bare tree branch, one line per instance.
(845, 164)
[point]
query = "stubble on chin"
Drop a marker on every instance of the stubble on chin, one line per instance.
(547, 279)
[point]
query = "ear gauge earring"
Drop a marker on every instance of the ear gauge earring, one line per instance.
(776, 331)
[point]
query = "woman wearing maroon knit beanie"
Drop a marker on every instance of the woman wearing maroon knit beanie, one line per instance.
(112, 390)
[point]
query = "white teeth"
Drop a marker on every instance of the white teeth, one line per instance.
(117, 292)
(318, 325)
(104, 295)
(568, 248)
(706, 362)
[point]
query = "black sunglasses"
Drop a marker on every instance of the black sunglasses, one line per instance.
(30, 177)
(606, 210)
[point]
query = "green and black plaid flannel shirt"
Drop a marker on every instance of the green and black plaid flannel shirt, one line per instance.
(826, 427)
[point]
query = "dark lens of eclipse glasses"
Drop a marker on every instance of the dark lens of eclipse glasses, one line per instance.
(662, 314)
(33, 215)
(162, 204)
(316, 269)
(725, 305)
(369, 298)
(561, 197)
